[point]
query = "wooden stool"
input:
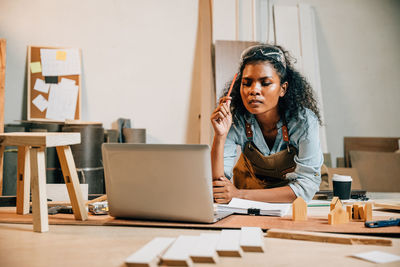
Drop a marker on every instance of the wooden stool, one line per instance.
(32, 167)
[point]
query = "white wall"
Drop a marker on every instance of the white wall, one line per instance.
(138, 61)
(137, 58)
(358, 47)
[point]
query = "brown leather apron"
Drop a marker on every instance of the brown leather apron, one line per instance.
(256, 171)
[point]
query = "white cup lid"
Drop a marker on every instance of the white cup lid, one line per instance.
(341, 178)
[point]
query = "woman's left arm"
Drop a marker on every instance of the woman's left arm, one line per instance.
(306, 178)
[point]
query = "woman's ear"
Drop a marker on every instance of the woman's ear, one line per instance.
(283, 89)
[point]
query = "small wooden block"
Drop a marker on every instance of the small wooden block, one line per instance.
(251, 239)
(229, 243)
(368, 211)
(330, 238)
(178, 253)
(205, 249)
(338, 216)
(149, 255)
(349, 210)
(356, 214)
(299, 212)
(361, 213)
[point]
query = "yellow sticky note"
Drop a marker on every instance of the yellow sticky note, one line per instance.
(61, 55)
(36, 67)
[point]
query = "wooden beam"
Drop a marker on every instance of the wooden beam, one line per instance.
(206, 70)
(329, 238)
(2, 81)
(72, 182)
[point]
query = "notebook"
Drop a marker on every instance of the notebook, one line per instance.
(159, 182)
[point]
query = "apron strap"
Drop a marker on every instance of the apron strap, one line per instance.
(285, 133)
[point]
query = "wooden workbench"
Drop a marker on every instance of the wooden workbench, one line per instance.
(67, 245)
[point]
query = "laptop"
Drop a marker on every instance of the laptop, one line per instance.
(159, 182)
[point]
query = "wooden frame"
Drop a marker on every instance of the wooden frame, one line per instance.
(33, 112)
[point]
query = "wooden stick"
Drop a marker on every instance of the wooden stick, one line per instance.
(2, 82)
(328, 238)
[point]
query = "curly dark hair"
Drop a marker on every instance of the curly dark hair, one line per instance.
(299, 94)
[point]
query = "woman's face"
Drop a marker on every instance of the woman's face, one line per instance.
(260, 88)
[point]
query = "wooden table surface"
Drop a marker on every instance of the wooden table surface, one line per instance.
(68, 245)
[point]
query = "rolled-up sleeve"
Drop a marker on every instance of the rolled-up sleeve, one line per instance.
(306, 178)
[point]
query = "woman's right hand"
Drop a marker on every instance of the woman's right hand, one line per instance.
(221, 118)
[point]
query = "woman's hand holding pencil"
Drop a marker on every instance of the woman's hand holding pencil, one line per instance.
(221, 118)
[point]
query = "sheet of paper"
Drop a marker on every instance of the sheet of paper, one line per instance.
(247, 204)
(41, 86)
(40, 102)
(67, 81)
(36, 67)
(377, 256)
(62, 102)
(53, 67)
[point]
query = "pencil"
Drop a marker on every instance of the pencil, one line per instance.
(230, 88)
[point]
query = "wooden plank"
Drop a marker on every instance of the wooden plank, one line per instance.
(2, 82)
(309, 52)
(229, 244)
(299, 212)
(150, 254)
(178, 253)
(205, 249)
(227, 57)
(377, 144)
(39, 139)
(368, 211)
(287, 31)
(72, 182)
(23, 180)
(1, 168)
(392, 205)
(39, 201)
(349, 210)
(205, 68)
(224, 20)
(251, 239)
(328, 238)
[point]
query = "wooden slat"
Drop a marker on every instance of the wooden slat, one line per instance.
(23, 180)
(206, 80)
(392, 205)
(150, 254)
(2, 82)
(251, 239)
(72, 182)
(39, 201)
(1, 168)
(229, 244)
(178, 253)
(205, 249)
(328, 238)
(39, 139)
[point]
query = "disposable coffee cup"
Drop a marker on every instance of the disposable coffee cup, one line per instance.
(341, 186)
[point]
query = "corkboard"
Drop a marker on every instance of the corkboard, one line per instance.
(33, 112)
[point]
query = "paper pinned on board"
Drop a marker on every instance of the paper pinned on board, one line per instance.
(67, 81)
(40, 102)
(41, 86)
(36, 67)
(62, 101)
(51, 66)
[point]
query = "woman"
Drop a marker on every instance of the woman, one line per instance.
(273, 116)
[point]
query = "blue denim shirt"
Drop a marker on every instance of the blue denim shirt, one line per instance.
(303, 135)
